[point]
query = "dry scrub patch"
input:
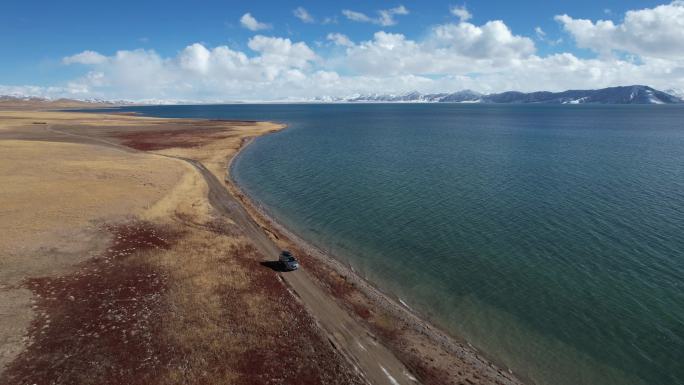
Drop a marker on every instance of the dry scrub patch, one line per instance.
(234, 321)
(102, 323)
(174, 303)
(180, 138)
(54, 196)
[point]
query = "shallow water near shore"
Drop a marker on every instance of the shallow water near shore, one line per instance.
(549, 237)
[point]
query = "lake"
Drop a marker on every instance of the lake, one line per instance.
(550, 237)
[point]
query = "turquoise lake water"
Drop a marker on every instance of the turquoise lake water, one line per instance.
(550, 237)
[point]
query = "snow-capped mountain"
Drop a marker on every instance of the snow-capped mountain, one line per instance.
(636, 94)
(15, 98)
(676, 92)
(614, 95)
(412, 97)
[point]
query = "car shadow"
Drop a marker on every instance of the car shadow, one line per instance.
(274, 265)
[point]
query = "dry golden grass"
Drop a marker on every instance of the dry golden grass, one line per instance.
(50, 189)
(234, 322)
(214, 314)
(54, 196)
(188, 196)
(11, 119)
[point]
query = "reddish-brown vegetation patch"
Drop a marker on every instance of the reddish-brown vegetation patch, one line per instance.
(337, 284)
(138, 236)
(362, 311)
(99, 325)
(178, 138)
(428, 374)
(115, 321)
(293, 350)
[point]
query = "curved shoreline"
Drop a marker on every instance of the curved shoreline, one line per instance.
(394, 306)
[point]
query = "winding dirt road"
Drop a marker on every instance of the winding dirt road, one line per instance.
(375, 362)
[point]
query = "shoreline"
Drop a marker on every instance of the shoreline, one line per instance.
(389, 303)
(348, 331)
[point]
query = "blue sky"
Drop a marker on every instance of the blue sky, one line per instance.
(39, 35)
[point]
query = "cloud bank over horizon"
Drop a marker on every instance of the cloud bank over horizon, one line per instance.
(646, 47)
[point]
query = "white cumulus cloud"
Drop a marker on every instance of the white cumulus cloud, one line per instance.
(85, 57)
(200, 72)
(486, 57)
(251, 23)
(447, 49)
(652, 32)
(279, 52)
(492, 40)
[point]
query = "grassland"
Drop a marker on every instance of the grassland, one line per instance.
(115, 269)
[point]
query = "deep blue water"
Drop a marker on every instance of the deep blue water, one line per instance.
(550, 237)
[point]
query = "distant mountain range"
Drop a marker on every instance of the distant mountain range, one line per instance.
(15, 100)
(614, 95)
(636, 94)
(28, 102)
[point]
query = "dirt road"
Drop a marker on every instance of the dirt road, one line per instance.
(377, 364)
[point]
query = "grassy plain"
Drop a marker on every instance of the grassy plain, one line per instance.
(115, 268)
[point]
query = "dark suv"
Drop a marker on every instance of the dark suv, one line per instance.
(288, 261)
